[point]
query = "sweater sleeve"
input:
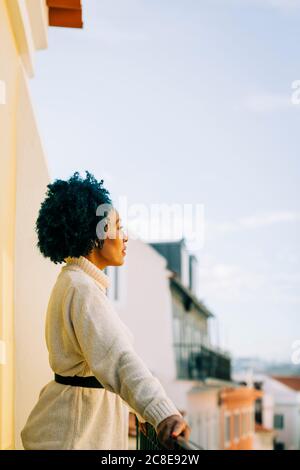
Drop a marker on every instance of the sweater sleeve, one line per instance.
(111, 357)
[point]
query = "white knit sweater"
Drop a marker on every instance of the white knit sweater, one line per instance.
(85, 336)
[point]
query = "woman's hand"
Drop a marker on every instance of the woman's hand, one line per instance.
(170, 428)
(143, 428)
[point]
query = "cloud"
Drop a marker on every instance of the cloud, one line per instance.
(106, 31)
(225, 282)
(255, 221)
(279, 4)
(228, 282)
(268, 103)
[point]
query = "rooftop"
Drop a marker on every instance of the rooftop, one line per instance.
(65, 13)
(190, 298)
(292, 382)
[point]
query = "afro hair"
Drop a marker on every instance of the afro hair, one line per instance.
(67, 219)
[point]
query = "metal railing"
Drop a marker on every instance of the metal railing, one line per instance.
(199, 362)
(146, 439)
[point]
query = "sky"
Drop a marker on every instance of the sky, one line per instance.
(181, 101)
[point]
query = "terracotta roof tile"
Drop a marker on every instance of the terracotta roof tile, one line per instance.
(65, 13)
(292, 382)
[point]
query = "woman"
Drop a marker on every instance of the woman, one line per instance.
(98, 376)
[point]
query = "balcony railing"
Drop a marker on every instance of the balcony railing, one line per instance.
(196, 362)
(146, 439)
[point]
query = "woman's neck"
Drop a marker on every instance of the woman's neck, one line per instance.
(95, 258)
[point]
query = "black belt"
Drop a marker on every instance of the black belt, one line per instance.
(76, 381)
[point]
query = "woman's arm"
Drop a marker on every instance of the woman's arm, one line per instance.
(112, 358)
(139, 417)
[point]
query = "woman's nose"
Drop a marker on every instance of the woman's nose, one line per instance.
(125, 236)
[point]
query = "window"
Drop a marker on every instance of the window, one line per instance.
(278, 421)
(244, 423)
(210, 435)
(227, 433)
(258, 410)
(188, 331)
(212, 432)
(200, 431)
(196, 333)
(185, 268)
(193, 274)
(176, 329)
(215, 432)
(237, 426)
(252, 421)
(117, 289)
(116, 284)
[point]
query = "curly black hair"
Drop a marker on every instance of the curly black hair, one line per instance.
(67, 220)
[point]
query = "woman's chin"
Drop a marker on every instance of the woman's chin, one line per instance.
(118, 261)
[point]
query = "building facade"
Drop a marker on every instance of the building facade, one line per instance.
(171, 329)
(25, 277)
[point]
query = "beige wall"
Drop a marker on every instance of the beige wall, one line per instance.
(9, 74)
(34, 275)
(263, 440)
(204, 417)
(25, 276)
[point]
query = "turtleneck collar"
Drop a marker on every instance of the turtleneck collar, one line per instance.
(91, 269)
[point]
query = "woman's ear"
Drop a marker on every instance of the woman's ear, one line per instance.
(99, 243)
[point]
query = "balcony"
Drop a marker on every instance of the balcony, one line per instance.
(196, 362)
(146, 439)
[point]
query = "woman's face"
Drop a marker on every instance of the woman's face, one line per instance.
(113, 251)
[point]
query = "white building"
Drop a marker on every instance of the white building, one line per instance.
(286, 393)
(170, 326)
(280, 407)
